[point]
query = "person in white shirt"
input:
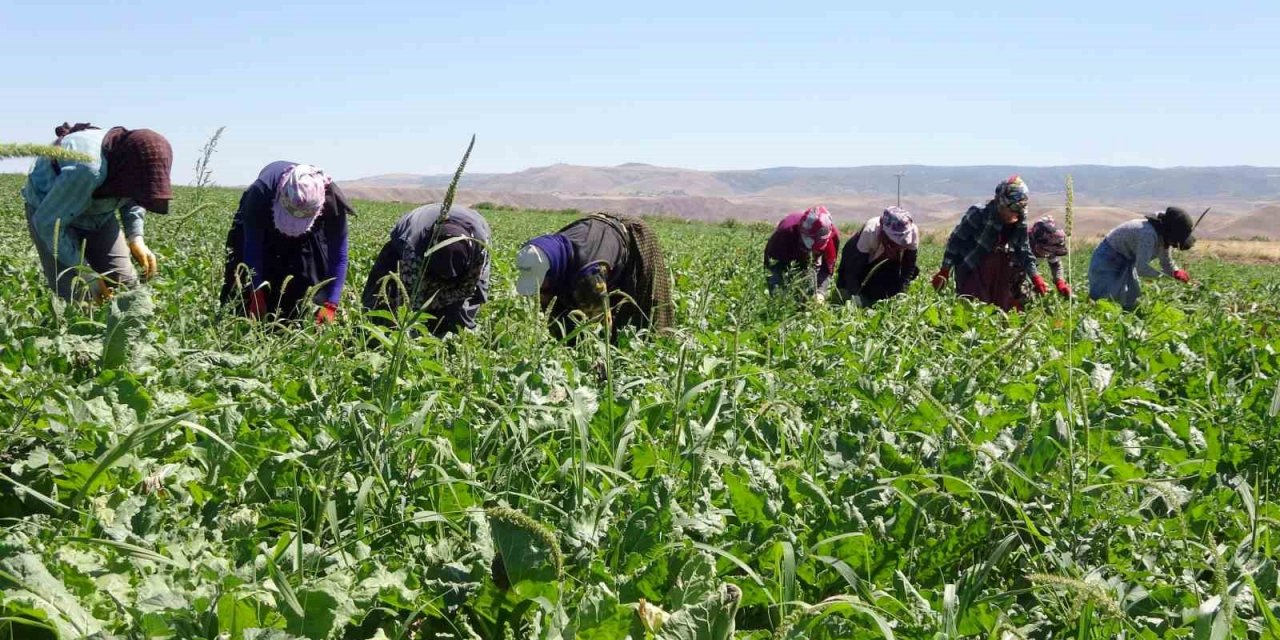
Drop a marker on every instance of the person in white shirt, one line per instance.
(880, 261)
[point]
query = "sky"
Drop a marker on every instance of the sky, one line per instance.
(365, 88)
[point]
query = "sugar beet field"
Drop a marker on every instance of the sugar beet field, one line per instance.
(926, 469)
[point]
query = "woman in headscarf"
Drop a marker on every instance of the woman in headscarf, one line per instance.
(599, 261)
(804, 244)
(442, 263)
(990, 251)
(290, 235)
(73, 204)
(1048, 242)
(880, 261)
(1128, 250)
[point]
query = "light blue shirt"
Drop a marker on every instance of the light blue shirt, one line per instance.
(65, 199)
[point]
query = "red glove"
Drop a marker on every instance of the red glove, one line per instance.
(1063, 287)
(1182, 276)
(327, 313)
(255, 304)
(1038, 281)
(940, 279)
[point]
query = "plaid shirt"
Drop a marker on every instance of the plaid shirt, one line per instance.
(979, 233)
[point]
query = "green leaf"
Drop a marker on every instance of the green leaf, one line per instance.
(235, 615)
(748, 505)
(528, 556)
(29, 584)
(695, 583)
(123, 342)
(599, 616)
(710, 619)
(326, 610)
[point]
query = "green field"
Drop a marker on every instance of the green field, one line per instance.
(926, 469)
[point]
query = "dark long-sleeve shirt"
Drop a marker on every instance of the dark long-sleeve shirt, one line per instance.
(330, 230)
(980, 232)
(860, 259)
(412, 235)
(595, 241)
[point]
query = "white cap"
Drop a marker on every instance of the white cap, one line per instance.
(532, 266)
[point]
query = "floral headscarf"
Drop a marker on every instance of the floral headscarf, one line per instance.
(816, 228)
(1047, 239)
(299, 199)
(898, 227)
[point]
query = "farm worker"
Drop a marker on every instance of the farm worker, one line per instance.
(880, 261)
(1050, 242)
(72, 206)
(288, 239)
(1128, 249)
(452, 280)
(991, 252)
(602, 259)
(804, 244)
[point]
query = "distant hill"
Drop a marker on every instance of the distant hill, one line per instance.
(1246, 200)
(1093, 182)
(1263, 222)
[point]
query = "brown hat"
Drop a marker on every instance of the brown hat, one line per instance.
(138, 166)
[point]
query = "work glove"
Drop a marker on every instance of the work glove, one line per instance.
(1182, 276)
(255, 304)
(940, 278)
(819, 298)
(1063, 287)
(146, 259)
(100, 290)
(327, 313)
(1038, 282)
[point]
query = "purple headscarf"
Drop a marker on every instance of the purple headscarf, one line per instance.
(559, 252)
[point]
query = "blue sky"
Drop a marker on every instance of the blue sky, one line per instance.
(377, 87)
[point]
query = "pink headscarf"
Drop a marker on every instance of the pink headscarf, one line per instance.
(299, 199)
(816, 228)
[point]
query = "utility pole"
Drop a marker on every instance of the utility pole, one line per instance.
(899, 177)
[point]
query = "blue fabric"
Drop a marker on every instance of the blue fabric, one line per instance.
(288, 264)
(1112, 276)
(559, 252)
(338, 254)
(254, 228)
(255, 233)
(64, 199)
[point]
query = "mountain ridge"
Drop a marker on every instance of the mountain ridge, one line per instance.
(1094, 182)
(1245, 199)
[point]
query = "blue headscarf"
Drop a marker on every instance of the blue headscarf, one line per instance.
(559, 252)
